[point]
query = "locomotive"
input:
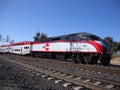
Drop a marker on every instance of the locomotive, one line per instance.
(81, 47)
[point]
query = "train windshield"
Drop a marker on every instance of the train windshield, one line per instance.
(89, 37)
(93, 37)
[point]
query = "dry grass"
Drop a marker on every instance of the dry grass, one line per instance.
(115, 60)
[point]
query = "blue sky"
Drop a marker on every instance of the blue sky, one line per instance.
(21, 19)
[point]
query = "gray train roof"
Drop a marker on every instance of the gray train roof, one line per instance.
(65, 37)
(80, 33)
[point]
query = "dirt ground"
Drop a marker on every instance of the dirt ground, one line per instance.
(115, 60)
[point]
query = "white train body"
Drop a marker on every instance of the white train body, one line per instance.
(21, 48)
(4, 49)
(63, 46)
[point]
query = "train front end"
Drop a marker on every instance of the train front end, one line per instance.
(96, 49)
(105, 52)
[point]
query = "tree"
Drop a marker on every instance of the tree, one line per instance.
(43, 36)
(115, 46)
(40, 37)
(118, 47)
(109, 40)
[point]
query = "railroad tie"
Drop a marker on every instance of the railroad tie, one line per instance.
(57, 73)
(87, 80)
(110, 86)
(70, 76)
(66, 84)
(53, 71)
(77, 88)
(97, 83)
(78, 78)
(50, 78)
(58, 81)
(99, 72)
(48, 70)
(43, 76)
(63, 74)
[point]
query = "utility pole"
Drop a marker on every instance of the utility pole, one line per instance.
(6, 40)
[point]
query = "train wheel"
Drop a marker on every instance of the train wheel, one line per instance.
(76, 59)
(105, 62)
(56, 56)
(94, 60)
(62, 57)
(85, 60)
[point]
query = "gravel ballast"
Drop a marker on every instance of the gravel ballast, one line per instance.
(15, 78)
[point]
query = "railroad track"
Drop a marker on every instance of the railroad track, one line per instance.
(112, 70)
(74, 79)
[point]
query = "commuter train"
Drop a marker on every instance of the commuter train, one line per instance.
(80, 47)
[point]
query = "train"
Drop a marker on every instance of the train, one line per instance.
(82, 47)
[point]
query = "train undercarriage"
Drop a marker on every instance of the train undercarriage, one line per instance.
(83, 58)
(104, 59)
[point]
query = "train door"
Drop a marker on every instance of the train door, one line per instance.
(81, 48)
(21, 50)
(12, 51)
(82, 44)
(31, 48)
(78, 45)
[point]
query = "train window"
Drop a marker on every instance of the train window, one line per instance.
(81, 37)
(53, 39)
(71, 37)
(93, 37)
(17, 49)
(88, 37)
(26, 47)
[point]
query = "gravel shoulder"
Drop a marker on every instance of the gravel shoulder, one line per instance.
(115, 60)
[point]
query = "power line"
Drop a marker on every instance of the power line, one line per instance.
(6, 40)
